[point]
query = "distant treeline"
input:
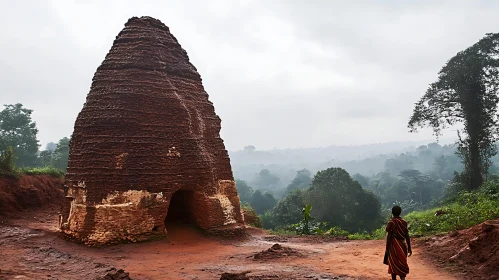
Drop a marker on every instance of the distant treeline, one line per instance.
(19, 144)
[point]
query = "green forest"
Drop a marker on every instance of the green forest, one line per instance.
(440, 188)
(350, 190)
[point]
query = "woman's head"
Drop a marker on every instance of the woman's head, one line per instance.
(396, 210)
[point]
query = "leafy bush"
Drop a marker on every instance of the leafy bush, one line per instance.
(309, 227)
(251, 218)
(491, 188)
(335, 231)
(267, 220)
(378, 234)
(469, 209)
(48, 170)
(341, 201)
(289, 210)
(7, 163)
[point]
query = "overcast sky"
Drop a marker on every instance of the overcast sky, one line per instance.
(282, 74)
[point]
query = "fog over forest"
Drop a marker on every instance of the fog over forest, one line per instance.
(362, 159)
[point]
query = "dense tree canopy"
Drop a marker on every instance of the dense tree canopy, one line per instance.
(245, 192)
(302, 180)
(466, 93)
(56, 157)
(18, 130)
(61, 154)
(289, 209)
(341, 201)
(265, 179)
(262, 202)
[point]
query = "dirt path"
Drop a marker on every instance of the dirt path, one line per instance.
(31, 249)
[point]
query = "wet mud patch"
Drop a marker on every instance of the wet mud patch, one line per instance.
(318, 239)
(277, 251)
(248, 275)
(115, 274)
(275, 238)
(33, 254)
(244, 276)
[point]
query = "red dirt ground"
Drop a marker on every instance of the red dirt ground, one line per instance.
(31, 248)
(473, 252)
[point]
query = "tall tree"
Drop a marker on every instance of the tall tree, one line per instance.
(50, 146)
(266, 179)
(245, 192)
(301, 181)
(339, 200)
(289, 209)
(46, 158)
(61, 154)
(262, 202)
(466, 92)
(18, 130)
(363, 181)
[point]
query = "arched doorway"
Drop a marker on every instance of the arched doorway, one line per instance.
(180, 211)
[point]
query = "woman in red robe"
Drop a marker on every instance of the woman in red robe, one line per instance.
(398, 245)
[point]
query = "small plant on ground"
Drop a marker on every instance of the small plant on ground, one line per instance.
(336, 231)
(307, 226)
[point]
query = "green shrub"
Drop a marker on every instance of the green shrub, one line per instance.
(491, 188)
(7, 163)
(307, 226)
(336, 231)
(267, 220)
(469, 209)
(47, 170)
(251, 218)
(377, 234)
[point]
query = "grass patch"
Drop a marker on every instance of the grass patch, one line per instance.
(375, 235)
(468, 210)
(48, 170)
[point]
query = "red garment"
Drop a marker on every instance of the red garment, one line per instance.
(397, 249)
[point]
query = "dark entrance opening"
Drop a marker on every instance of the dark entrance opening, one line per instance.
(180, 210)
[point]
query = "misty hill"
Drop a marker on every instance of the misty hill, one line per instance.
(363, 159)
(316, 155)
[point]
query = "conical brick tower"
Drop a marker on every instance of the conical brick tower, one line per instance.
(146, 146)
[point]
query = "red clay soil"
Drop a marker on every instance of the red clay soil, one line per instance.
(250, 217)
(29, 192)
(473, 252)
(276, 252)
(32, 249)
(114, 274)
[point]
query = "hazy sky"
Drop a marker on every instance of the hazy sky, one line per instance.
(280, 73)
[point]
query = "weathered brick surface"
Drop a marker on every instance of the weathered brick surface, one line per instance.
(147, 126)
